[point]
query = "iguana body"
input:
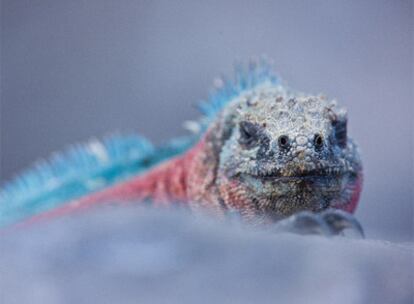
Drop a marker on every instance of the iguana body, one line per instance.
(264, 152)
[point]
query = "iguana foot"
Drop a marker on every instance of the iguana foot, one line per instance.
(329, 223)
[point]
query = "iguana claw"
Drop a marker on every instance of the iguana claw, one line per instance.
(329, 223)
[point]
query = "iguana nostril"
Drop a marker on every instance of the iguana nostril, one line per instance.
(283, 141)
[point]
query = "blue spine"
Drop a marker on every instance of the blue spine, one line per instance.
(82, 169)
(246, 78)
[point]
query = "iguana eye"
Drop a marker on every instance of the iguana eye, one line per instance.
(318, 141)
(249, 134)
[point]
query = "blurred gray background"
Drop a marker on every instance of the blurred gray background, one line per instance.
(71, 70)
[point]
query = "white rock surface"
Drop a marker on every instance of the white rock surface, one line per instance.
(132, 255)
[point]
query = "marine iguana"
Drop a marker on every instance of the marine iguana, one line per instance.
(261, 151)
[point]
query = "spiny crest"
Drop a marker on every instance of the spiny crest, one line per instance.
(80, 170)
(256, 73)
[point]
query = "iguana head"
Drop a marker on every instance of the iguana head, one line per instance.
(283, 153)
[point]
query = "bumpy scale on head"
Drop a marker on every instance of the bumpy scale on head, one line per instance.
(285, 153)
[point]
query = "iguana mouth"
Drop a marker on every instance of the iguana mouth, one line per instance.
(295, 177)
(288, 185)
(302, 176)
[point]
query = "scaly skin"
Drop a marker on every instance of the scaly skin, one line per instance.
(268, 155)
